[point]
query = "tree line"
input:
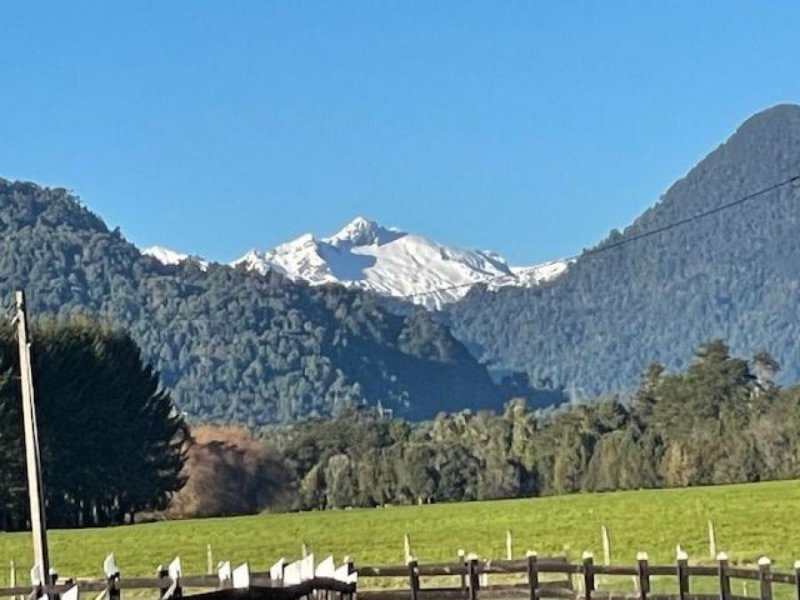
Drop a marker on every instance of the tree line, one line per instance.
(721, 420)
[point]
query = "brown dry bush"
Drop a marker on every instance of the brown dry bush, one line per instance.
(230, 473)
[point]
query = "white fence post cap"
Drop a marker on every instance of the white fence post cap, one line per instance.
(241, 577)
(175, 570)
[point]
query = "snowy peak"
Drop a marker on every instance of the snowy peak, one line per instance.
(170, 257)
(393, 263)
(363, 232)
(164, 255)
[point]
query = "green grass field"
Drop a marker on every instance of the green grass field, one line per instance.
(750, 521)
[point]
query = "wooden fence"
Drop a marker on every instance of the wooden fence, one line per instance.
(579, 580)
(532, 578)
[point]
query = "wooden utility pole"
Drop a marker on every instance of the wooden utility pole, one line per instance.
(33, 462)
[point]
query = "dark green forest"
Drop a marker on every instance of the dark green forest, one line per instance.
(233, 346)
(723, 419)
(734, 275)
(112, 443)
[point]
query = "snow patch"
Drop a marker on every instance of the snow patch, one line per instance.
(170, 257)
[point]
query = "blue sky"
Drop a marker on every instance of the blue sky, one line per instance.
(530, 128)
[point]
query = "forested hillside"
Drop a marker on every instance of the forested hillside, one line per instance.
(734, 275)
(231, 345)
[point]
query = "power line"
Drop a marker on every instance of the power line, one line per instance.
(795, 179)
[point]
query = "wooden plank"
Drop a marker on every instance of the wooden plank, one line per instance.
(383, 595)
(555, 593)
(440, 570)
(743, 573)
(783, 578)
(386, 571)
(612, 570)
(661, 570)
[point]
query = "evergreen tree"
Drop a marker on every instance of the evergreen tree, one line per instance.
(112, 443)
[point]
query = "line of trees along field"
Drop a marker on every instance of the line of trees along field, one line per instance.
(112, 443)
(721, 420)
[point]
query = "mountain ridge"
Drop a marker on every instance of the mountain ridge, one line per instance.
(729, 275)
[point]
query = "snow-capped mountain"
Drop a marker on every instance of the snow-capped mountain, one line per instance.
(394, 263)
(169, 257)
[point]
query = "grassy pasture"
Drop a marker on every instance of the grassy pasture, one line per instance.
(750, 521)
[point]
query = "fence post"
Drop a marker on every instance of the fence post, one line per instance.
(112, 578)
(407, 547)
(712, 541)
(163, 576)
(724, 577)
(474, 579)
(765, 578)
(52, 579)
(509, 546)
(37, 582)
(351, 568)
(462, 562)
(683, 574)
(606, 541)
(13, 578)
(209, 560)
(797, 579)
(413, 578)
(533, 574)
(588, 575)
(644, 575)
